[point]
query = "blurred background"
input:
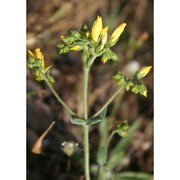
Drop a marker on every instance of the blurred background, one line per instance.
(47, 20)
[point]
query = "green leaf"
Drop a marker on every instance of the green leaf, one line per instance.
(102, 156)
(132, 176)
(77, 120)
(98, 118)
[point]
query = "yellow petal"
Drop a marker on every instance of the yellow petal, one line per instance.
(144, 93)
(104, 31)
(144, 71)
(40, 56)
(87, 34)
(31, 54)
(104, 40)
(62, 37)
(117, 32)
(96, 29)
(74, 48)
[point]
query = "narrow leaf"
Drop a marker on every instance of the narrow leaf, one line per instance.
(102, 156)
(133, 176)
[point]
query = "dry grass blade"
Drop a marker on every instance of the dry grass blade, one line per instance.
(37, 147)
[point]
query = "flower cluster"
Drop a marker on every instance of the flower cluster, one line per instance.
(92, 44)
(134, 83)
(36, 62)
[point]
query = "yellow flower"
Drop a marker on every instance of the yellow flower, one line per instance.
(96, 29)
(144, 71)
(117, 32)
(144, 93)
(38, 55)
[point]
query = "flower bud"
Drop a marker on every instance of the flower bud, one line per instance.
(117, 32)
(104, 36)
(144, 93)
(75, 48)
(96, 29)
(143, 71)
(31, 54)
(40, 56)
(69, 147)
(87, 34)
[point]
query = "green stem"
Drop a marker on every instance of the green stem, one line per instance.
(59, 99)
(109, 100)
(109, 139)
(98, 171)
(86, 128)
(68, 165)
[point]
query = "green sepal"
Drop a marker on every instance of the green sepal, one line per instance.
(98, 49)
(105, 57)
(77, 120)
(47, 69)
(85, 54)
(110, 43)
(135, 89)
(121, 129)
(102, 156)
(34, 63)
(50, 79)
(80, 44)
(128, 84)
(84, 28)
(63, 49)
(120, 78)
(69, 40)
(113, 56)
(98, 118)
(75, 34)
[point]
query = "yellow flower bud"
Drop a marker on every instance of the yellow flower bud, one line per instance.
(62, 37)
(40, 56)
(117, 32)
(87, 34)
(96, 29)
(75, 48)
(31, 54)
(144, 71)
(144, 93)
(104, 31)
(104, 36)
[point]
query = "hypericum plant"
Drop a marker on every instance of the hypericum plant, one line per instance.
(91, 44)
